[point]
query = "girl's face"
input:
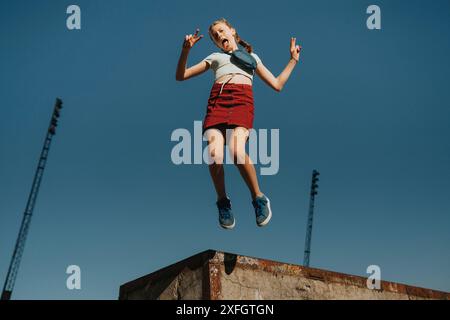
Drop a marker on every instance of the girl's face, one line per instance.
(224, 37)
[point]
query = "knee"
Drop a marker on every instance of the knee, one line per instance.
(215, 156)
(238, 155)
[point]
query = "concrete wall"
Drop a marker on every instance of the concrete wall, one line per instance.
(222, 276)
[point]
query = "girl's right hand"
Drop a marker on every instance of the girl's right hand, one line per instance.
(190, 40)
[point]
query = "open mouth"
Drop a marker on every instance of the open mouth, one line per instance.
(224, 42)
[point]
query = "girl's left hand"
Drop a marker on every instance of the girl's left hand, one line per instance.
(295, 50)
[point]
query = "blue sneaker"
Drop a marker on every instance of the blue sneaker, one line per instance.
(262, 210)
(226, 218)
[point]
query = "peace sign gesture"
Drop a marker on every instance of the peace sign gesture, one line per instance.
(295, 49)
(190, 40)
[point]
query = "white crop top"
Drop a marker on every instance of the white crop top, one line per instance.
(221, 65)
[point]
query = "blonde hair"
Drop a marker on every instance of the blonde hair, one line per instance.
(238, 39)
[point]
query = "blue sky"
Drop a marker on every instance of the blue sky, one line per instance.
(368, 109)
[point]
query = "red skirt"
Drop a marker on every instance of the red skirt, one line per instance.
(234, 106)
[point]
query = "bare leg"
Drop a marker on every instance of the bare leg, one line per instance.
(215, 152)
(237, 139)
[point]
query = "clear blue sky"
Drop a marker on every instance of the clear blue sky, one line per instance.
(368, 109)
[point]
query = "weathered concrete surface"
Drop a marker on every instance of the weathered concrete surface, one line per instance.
(223, 276)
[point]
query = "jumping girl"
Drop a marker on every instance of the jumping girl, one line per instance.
(230, 111)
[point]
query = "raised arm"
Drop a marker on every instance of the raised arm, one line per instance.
(182, 73)
(278, 82)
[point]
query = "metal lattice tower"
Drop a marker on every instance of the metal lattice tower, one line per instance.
(309, 225)
(26, 220)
